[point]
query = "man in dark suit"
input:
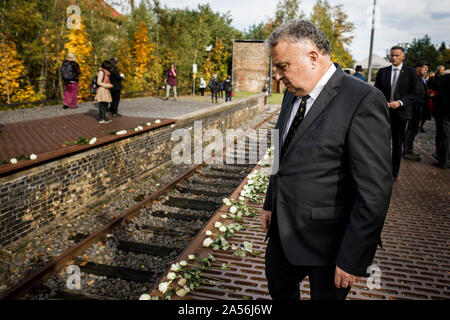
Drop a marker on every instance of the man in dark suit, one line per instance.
(326, 205)
(398, 82)
(417, 112)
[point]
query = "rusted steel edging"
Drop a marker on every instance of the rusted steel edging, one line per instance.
(9, 169)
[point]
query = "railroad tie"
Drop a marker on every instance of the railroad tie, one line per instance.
(142, 248)
(123, 273)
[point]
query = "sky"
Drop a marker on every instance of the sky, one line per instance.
(398, 21)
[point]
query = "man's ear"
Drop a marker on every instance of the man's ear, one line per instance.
(313, 57)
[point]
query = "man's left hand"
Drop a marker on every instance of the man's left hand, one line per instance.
(343, 279)
(394, 104)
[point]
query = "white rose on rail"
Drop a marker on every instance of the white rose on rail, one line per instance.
(163, 286)
(207, 242)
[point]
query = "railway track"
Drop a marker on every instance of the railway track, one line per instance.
(126, 256)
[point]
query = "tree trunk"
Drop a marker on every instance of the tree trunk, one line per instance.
(6, 69)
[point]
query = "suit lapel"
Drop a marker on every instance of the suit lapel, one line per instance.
(324, 98)
(388, 81)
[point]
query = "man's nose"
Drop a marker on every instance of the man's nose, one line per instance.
(278, 75)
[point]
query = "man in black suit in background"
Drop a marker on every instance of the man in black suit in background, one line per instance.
(325, 207)
(417, 112)
(399, 84)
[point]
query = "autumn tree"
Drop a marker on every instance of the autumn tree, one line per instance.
(286, 10)
(78, 43)
(216, 61)
(14, 84)
(332, 21)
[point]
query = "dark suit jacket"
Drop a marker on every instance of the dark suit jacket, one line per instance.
(333, 187)
(406, 89)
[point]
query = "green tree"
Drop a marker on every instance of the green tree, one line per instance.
(422, 49)
(287, 10)
(332, 21)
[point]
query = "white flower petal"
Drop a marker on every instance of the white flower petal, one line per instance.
(183, 263)
(13, 160)
(144, 296)
(181, 292)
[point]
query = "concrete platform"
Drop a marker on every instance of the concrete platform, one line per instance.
(50, 131)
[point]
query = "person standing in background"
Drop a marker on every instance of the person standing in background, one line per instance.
(202, 86)
(171, 82)
(417, 112)
(228, 88)
(103, 95)
(116, 80)
(398, 83)
(214, 87)
(70, 72)
(358, 73)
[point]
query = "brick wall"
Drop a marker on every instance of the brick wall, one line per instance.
(251, 64)
(33, 198)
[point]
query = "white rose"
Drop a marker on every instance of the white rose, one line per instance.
(13, 160)
(223, 229)
(33, 156)
(171, 275)
(163, 286)
(208, 233)
(149, 123)
(157, 121)
(182, 281)
(183, 263)
(207, 242)
(250, 182)
(93, 140)
(227, 201)
(241, 198)
(136, 129)
(224, 216)
(191, 257)
(144, 296)
(243, 193)
(233, 209)
(175, 267)
(181, 292)
(217, 224)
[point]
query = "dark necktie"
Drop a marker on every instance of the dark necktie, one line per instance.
(394, 84)
(294, 125)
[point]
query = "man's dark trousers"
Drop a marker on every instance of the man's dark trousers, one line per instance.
(284, 278)
(413, 129)
(115, 96)
(398, 128)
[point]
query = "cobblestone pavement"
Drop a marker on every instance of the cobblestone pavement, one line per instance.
(133, 107)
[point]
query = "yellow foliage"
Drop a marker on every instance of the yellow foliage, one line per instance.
(19, 88)
(142, 65)
(79, 44)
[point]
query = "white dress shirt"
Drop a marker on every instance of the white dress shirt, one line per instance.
(398, 75)
(313, 95)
